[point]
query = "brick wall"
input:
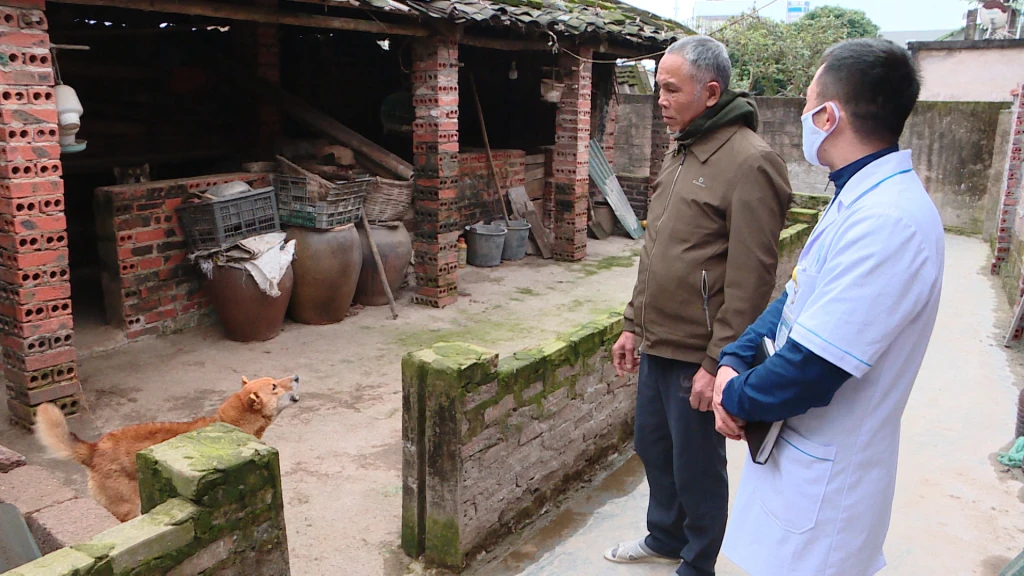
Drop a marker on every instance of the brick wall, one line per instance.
(488, 443)
(435, 94)
(638, 192)
(35, 305)
(1008, 245)
(477, 193)
(212, 504)
(148, 285)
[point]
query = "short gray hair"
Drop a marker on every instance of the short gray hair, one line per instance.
(707, 57)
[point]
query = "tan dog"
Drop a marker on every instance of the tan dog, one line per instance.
(111, 460)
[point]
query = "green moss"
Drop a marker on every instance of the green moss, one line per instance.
(960, 231)
(63, 562)
(526, 291)
(591, 268)
(443, 546)
(194, 460)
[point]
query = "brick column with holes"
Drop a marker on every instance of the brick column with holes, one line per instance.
(35, 290)
(572, 159)
(435, 96)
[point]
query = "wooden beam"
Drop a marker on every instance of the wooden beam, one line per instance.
(255, 14)
(510, 44)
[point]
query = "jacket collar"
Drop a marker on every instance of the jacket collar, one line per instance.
(712, 141)
(873, 174)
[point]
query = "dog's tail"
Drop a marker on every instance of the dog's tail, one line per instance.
(52, 431)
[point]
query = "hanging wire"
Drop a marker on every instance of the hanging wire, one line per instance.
(737, 20)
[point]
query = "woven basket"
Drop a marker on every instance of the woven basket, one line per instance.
(388, 200)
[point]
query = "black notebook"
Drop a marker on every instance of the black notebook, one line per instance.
(761, 436)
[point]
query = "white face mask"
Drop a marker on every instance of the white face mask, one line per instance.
(814, 136)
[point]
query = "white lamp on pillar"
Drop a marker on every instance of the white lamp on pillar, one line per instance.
(69, 110)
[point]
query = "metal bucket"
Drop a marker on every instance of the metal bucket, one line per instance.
(516, 240)
(484, 244)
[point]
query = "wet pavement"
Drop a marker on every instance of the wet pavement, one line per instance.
(956, 511)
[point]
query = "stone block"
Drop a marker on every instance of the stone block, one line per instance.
(207, 466)
(64, 562)
(31, 489)
(71, 522)
(163, 530)
(9, 460)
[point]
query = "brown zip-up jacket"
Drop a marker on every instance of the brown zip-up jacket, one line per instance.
(710, 252)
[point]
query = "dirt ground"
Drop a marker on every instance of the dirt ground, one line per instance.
(341, 445)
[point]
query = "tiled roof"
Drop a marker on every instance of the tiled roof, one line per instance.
(577, 18)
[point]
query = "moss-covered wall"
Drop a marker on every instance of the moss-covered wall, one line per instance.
(212, 504)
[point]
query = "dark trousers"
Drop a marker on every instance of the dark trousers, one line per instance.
(685, 462)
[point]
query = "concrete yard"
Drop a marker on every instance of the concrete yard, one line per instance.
(957, 512)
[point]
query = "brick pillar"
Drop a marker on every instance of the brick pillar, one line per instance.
(35, 289)
(572, 159)
(435, 80)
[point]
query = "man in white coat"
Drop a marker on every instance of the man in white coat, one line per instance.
(850, 332)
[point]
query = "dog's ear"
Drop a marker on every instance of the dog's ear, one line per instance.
(244, 381)
(255, 402)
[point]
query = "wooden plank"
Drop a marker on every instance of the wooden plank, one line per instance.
(315, 120)
(599, 232)
(535, 174)
(522, 206)
(257, 14)
(534, 159)
(535, 189)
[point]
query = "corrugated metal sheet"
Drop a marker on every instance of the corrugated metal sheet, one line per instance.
(604, 177)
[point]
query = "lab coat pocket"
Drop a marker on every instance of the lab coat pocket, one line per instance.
(794, 481)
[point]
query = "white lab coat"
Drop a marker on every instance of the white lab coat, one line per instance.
(864, 296)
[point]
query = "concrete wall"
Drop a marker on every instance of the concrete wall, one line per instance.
(953, 144)
(633, 135)
(213, 505)
(969, 71)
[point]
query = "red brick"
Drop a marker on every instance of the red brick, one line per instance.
(31, 329)
(35, 276)
(16, 260)
(21, 115)
(160, 315)
(28, 379)
(45, 133)
(435, 302)
(23, 39)
(39, 343)
(40, 294)
(26, 77)
(40, 361)
(189, 307)
(29, 152)
(32, 224)
(174, 259)
(26, 188)
(152, 235)
(143, 332)
(150, 263)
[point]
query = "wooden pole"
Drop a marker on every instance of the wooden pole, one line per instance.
(380, 266)
(487, 146)
(255, 14)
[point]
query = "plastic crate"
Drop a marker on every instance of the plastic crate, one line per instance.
(217, 224)
(343, 205)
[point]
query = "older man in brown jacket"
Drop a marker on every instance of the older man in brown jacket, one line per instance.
(707, 271)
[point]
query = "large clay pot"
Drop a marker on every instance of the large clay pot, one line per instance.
(395, 248)
(245, 312)
(326, 267)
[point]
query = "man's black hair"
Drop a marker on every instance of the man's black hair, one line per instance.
(876, 84)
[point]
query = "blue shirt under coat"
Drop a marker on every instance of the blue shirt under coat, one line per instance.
(795, 379)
